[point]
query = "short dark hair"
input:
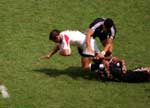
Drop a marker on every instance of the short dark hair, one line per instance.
(53, 34)
(108, 23)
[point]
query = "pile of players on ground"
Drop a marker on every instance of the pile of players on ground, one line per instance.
(102, 62)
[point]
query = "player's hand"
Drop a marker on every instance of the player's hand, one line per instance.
(99, 56)
(45, 57)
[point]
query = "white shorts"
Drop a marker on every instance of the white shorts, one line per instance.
(93, 46)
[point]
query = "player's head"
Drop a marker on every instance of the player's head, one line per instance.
(108, 23)
(54, 36)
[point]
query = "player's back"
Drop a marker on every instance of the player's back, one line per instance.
(75, 37)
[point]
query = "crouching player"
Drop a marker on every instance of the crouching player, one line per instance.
(66, 38)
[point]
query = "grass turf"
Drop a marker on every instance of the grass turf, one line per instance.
(60, 82)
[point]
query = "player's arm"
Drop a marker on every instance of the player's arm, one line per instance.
(65, 52)
(88, 38)
(52, 52)
(124, 68)
(108, 46)
(65, 49)
(109, 43)
(106, 62)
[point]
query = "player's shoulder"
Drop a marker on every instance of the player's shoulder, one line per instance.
(96, 21)
(69, 31)
(65, 31)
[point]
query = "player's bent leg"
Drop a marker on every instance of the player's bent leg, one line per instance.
(86, 63)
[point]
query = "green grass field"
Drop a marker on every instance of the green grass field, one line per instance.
(60, 81)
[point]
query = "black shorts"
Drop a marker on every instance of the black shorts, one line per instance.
(83, 55)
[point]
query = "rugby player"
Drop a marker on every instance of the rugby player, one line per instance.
(118, 71)
(105, 30)
(69, 37)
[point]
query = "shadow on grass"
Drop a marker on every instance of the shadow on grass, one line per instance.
(77, 72)
(73, 72)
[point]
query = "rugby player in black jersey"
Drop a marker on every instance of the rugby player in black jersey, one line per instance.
(115, 69)
(105, 30)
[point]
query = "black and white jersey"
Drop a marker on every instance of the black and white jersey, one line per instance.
(97, 27)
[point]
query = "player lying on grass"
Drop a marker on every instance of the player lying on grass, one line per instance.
(66, 38)
(117, 71)
(139, 74)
